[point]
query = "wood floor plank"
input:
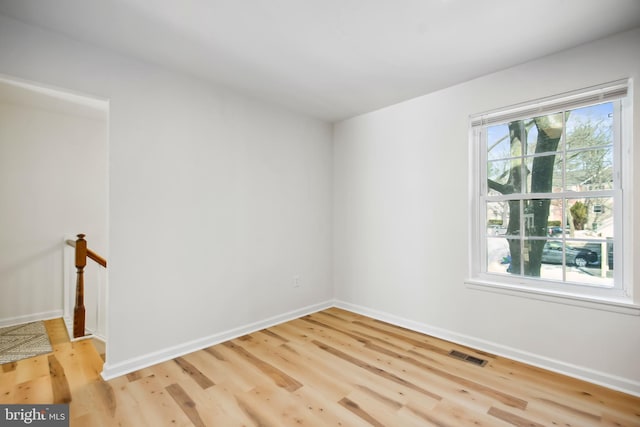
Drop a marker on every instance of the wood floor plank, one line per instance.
(90, 419)
(370, 406)
(133, 376)
(59, 383)
(186, 404)
(213, 369)
(273, 335)
(57, 331)
(155, 403)
(104, 396)
(280, 378)
(209, 399)
(96, 398)
(7, 387)
(129, 412)
(78, 368)
(201, 379)
(223, 408)
(296, 360)
(356, 409)
(450, 413)
(8, 367)
(512, 418)
(32, 368)
(258, 413)
(215, 353)
(619, 420)
(34, 391)
(237, 372)
(323, 411)
(375, 370)
(571, 411)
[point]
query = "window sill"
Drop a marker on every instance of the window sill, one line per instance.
(616, 306)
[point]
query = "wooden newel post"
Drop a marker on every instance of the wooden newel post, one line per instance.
(78, 310)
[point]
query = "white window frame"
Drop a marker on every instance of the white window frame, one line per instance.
(618, 298)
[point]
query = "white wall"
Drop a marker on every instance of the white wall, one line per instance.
(215, 200)
(53, 182)
(401, 221)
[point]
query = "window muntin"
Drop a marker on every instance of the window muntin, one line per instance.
(569, 206)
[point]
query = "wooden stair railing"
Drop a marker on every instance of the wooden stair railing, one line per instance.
(82, 253)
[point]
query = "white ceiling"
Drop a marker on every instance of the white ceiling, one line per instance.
(333, 59)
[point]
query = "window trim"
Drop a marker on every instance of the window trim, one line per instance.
(575, 99)
(620, 297)
(622, 306)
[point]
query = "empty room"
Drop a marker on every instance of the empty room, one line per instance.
(321, 213)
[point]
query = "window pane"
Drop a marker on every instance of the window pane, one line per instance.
(532, 137)
(497, 218)
(552, 260)
(576, 262)
(590, 170)
(543, 217)
(499, 144)
(546, 133)
(504, 176)
(531, 252)
(511, 255)
(590, 126)
(536, 216)
(556, 226)
(584, 263)
(579, 254)
(544, 174)
(498, 257)
(590, 217)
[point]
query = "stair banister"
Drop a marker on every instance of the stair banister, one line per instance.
(78, 309)
(81, 255)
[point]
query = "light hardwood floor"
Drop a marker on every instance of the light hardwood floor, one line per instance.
(332, 368)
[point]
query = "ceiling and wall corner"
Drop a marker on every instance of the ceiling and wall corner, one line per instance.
(332, 59)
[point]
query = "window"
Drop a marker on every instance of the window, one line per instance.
(547, 194)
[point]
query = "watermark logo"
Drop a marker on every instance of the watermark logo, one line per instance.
(34, 415)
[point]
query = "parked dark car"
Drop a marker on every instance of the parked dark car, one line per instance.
(580, 257)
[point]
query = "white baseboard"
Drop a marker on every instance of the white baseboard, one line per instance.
(26, 318)
(68, 322)
(601, 378)
(99, 337)
(115, 370)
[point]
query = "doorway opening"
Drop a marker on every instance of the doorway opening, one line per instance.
(54, 185)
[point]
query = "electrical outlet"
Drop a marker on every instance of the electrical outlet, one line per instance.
(296, 281)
